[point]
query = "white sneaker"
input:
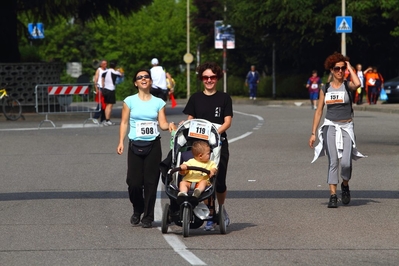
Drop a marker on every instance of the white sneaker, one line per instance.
(108, 123)
(254, 98)
(250, 98)
(227, 219)
(182, 194)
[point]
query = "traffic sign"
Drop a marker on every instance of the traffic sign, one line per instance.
(343, 24)
(36, 30)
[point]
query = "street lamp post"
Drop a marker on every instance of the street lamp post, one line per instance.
(188, 58)
(343, 35)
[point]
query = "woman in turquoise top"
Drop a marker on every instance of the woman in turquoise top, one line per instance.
(144, 113)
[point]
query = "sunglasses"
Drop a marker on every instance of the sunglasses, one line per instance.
(213, 78)
(337, 68)
(142, 77)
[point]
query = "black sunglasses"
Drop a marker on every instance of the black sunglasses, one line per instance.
(337, 68)
(143, 77)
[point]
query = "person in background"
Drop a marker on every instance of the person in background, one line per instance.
(108, 85)
(336, 135)
(159, 87)
(98, 91)
(314, 84)
(143, 113)
(374, 82)
(171, 84)
(251, 81)
(358, 99)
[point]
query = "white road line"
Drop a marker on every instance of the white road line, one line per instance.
(173, 240)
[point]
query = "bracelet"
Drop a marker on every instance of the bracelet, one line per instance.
(312, 133)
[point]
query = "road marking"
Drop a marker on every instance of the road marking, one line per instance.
(173, 240)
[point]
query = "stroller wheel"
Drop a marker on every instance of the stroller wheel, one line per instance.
(186, 221)
(165, 219)
(222, 218)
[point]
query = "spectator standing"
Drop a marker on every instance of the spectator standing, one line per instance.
(142, 113)
(98, 90)
(252, 81)
(159, 87)
(374, 82)
(171, 84)
(360, 91)
(314, 84)
(108, 84)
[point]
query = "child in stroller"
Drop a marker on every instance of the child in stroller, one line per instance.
(187, 210)
(200, 180)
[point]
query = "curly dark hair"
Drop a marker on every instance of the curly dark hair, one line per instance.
(333, 59)
(212, 66)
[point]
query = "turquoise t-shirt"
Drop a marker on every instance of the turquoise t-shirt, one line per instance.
(143, 117)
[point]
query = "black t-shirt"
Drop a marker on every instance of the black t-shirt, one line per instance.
(213, 108)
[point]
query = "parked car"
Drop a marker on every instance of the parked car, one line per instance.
(392, 89)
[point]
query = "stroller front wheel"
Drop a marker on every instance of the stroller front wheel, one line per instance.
(165, 219)
(186, 221)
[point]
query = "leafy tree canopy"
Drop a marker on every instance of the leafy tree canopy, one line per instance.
(51, 10)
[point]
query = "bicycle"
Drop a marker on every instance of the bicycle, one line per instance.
(12, 108)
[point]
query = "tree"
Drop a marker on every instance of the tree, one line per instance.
(50, 10)
(158, 30)
(304, 32)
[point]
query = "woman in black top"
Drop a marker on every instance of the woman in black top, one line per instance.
(217, 108)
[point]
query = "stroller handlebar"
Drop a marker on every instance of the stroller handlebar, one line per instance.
(196, 168)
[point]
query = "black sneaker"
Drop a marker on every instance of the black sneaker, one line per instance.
(346, 194)
(135, 219)
(146, 224)
(333, 201)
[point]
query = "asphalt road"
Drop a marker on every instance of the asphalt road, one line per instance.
(63, 198)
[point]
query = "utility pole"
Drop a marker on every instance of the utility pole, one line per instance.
(343, 35)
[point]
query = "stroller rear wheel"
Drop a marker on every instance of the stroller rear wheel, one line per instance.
(186, 221)
(165, 219)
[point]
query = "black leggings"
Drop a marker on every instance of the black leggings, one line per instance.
(143, 173)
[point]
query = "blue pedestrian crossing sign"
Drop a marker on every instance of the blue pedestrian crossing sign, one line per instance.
(36, 30)
(343, 24)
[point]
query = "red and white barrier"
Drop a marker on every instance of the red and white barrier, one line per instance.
(68, 90)
(66, 99)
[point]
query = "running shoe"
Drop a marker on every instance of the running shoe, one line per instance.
(227, 218)
(346, 194)
(333, 201)
(182, 194)
(135, 219)
(210, 226)
(108, 123)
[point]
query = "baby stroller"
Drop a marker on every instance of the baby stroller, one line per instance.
(190, 212)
